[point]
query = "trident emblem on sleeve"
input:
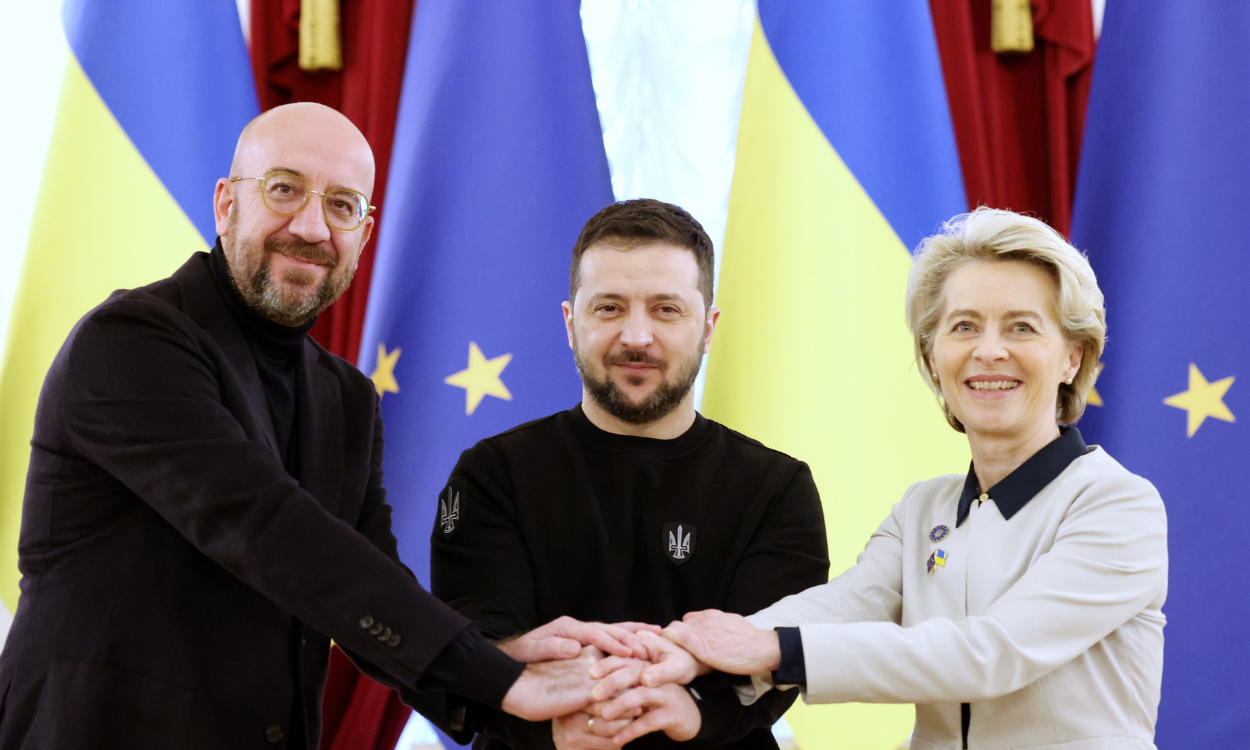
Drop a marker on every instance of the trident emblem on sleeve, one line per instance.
(448, 512)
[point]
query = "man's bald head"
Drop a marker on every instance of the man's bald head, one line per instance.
(290, 266)
(305, 127)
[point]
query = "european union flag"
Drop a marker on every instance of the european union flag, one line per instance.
(498, 161)
(1161, 208)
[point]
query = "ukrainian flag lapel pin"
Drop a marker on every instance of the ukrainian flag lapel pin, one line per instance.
(936, 560)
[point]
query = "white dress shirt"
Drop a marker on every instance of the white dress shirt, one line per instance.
(1045, 616)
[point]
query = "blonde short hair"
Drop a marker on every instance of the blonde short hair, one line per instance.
(989, 234)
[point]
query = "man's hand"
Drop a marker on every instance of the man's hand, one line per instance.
(584, 731)
(669, 662)
(553, 688)
(726, 642)
(665, 662)
(615, 675)
(564, 638)
(640, 627)
(668, 709)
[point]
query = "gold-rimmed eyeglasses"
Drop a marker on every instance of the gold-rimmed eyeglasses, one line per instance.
(285, 194)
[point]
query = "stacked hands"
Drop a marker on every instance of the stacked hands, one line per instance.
(604, 685)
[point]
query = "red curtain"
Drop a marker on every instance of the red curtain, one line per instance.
(366, 90)
(1018, 117)
(357, 713)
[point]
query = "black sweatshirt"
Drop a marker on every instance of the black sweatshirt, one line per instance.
(557, 517)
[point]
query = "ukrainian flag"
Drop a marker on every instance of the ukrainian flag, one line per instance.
(846, 159)
(154, 96)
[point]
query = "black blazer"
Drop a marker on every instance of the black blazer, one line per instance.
(164, 549)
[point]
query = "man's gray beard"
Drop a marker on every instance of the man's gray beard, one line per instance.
(667, 397)
(292, 310)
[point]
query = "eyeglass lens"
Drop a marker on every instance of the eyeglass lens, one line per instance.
(286, 193)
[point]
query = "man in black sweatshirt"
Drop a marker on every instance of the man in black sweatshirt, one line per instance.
(630, 506)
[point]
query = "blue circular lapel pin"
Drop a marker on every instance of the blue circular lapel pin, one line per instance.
(938, 534)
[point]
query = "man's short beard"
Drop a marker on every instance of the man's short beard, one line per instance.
(667, 397)
(284, 306)
(281, 305)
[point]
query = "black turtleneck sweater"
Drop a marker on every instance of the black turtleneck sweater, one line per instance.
(276, 350)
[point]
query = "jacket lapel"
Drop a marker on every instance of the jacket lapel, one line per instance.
(319, 410)
(203, 303)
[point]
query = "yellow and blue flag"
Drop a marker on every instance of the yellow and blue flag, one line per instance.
(154, 96)
(1161, 203)
(846, 159)
(498, 161)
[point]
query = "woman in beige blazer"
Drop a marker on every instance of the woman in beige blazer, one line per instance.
(1016, 606)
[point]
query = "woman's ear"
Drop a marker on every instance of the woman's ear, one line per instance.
(1074, 362)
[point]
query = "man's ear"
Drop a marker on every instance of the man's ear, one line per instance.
(223, 204)
(709, 326)
(567, 307)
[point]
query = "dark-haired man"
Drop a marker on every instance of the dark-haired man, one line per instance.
(630, 506)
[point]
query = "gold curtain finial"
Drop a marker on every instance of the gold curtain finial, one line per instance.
(1011, 22)
(319, 46)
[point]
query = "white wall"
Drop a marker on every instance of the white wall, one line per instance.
(32, 54)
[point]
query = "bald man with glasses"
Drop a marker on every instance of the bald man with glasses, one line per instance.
(204, 510)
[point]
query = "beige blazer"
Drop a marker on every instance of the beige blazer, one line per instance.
(1048, 624)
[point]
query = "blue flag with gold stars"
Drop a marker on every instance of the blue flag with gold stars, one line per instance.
(497, 163)
(1162, 203)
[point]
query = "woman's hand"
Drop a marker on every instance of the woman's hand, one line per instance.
(726, 642)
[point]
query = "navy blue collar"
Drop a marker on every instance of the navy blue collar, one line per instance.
(1029, 478)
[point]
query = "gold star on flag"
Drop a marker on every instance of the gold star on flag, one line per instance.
(383, 376)
(1202, 400)
(1093, 399)
(481, 378)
